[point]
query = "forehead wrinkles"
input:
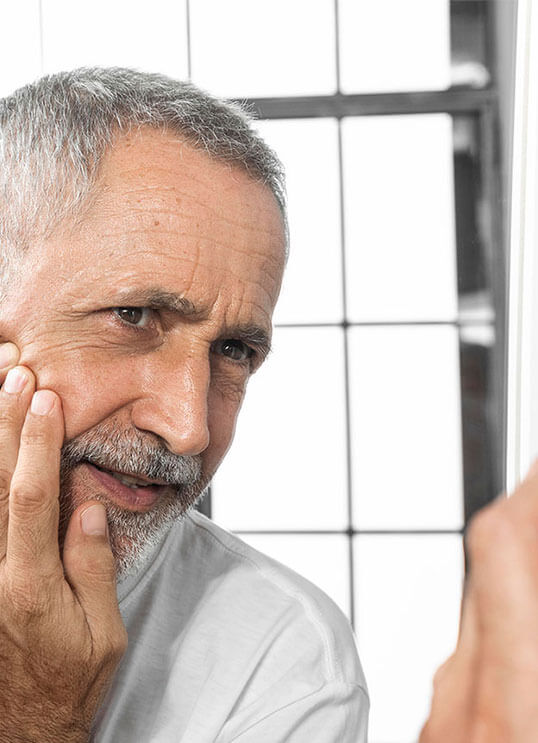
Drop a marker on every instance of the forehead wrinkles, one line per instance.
(135, 251)
(159, 223)
(158, 161)
(178, 223)
(155, 162)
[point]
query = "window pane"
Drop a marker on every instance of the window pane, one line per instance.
(123, 33)
(312, 288)
(20, 47)
(269, 48)
(408, 592)
(406, 428)
(400, 225)
(390, 45)
(322, 559)
(287, 465)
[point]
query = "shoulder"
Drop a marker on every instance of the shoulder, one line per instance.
(254, 651)
(276, 605)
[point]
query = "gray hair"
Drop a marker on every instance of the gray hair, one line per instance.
(55, 131)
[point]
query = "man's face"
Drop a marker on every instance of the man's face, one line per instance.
(147, 318)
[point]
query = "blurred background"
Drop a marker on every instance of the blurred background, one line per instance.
(377, 427)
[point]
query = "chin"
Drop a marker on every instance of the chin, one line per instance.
(133, 535)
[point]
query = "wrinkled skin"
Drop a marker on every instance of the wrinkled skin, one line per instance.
(487, 691)
(61, 633)
(165, 217)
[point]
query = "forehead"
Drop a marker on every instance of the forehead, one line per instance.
(166, 214)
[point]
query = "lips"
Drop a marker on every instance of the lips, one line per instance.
(130, 497)
(130, 480)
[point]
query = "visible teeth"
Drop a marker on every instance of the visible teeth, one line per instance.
(131, 482)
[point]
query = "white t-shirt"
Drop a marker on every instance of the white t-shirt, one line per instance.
(226, 644)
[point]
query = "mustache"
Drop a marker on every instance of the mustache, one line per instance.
(130, 452)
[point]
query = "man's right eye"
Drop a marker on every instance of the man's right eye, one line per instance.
(137, 317)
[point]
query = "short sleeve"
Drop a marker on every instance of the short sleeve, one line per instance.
(336, 713)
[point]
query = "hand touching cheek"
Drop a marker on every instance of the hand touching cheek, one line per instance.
(61, 634)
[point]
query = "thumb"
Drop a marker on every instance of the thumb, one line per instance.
(89, 563)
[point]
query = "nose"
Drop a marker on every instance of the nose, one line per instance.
(174, 405)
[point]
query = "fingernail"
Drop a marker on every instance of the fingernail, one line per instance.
(9, 355)
(42, 402)
(93, 520)
(15, 381)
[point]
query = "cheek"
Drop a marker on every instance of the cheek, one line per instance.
(91, 390)
(222, 416)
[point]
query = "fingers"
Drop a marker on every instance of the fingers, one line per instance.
(454, 684)
(486, 691)
(504, 573)
(504, 568)
(32, 537)
(503, 550)
(9, 356)
(15, 396)
(90, 569)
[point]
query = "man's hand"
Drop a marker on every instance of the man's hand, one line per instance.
(61, 633)
(487, 691)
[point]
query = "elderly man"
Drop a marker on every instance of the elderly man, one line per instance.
(142, 244)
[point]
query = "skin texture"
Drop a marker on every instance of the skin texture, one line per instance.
(165, 217)
(486, 692)
(61, 633)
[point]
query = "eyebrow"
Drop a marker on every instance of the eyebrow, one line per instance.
(159, 299)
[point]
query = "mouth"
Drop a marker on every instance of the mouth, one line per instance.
(129, 492)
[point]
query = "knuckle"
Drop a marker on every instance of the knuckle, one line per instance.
(29, 494)
(441, 673)
(488, 527)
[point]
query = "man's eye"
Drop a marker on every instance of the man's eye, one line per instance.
(234, 349)
(136, 316)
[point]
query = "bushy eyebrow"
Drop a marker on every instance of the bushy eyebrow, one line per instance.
(251, 334)
(160, 299)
